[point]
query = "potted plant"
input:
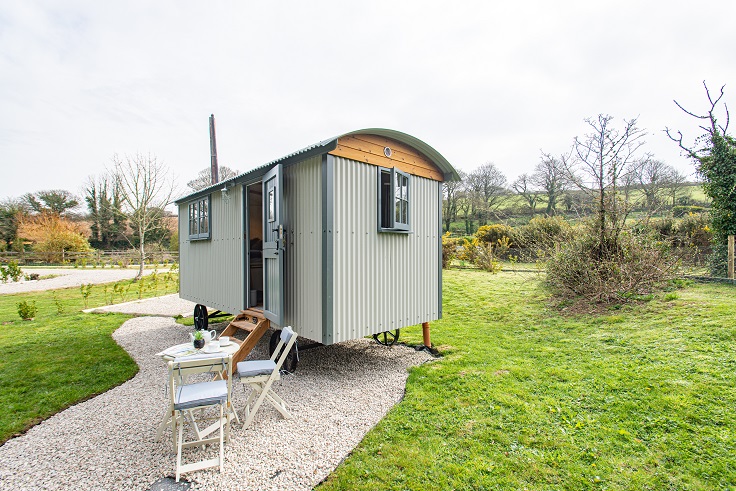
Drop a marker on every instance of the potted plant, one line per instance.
(198, 340)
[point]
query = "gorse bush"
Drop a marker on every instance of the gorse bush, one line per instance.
(616, 271)
(491, 234)
(542, 235)
(449, 250)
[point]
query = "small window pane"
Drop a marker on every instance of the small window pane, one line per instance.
(193, 219)
(203, 218)
(404, 211)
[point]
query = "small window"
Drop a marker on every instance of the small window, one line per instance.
(199, 219)
(393, 200)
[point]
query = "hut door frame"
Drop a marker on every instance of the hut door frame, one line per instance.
(273, 245)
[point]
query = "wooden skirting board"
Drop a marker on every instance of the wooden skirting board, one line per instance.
(252, 321)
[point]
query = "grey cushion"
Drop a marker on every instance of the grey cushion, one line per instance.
(253, 368)
(286, 334)
(201, 394)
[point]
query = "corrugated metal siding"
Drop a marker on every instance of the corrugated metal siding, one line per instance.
(212, 270)
(303, 288)
(383, 281)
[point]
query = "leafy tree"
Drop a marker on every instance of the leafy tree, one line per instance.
(204, 177)
(714, 152)
(52, 234)
(145, 188)
(57, 201)
(102, 196)
(11, 215)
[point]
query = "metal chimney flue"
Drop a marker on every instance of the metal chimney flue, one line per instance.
(214, 170)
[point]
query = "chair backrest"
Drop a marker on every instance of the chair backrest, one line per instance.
(182, 367)
(286, 341)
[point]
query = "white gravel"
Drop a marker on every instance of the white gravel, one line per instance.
(68, 277)
(165, 305)
(337, 394)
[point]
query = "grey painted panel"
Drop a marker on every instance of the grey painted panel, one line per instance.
(303, 255)
(212, 270)
(382, 281)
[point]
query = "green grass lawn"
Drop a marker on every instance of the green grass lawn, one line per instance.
(526, 398)
(59, 359)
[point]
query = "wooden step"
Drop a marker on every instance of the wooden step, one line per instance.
(249, 320)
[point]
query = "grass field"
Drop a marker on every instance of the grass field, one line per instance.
(527, 398)
(59, 359)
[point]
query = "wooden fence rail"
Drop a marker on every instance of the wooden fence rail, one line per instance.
(90, 258)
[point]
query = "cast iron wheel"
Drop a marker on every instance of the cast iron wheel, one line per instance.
(291, 359)
(387, 338)
(200, 317)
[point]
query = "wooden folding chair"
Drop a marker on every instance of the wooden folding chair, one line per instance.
(186, 397)
(261, 374)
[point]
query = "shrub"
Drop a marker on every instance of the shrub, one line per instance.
(51, 235)
(680, 211)
(542, 235)
(694, 230)
(491, 234)
(10, 270)
(485, 258)
(27, 311)
(449, 250)
(637, 265)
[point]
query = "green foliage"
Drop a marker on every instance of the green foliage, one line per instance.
(632, 266)
(491, 234)
(10, 270)
(86, 291)
(526, 397)
(449, 249)
(197, 335)
(58, 303)
(57, 360)
(680, 211)
(486, 258)
(27, 310)
(542, 235)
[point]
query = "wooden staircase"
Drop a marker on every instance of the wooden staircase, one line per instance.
(249, 320)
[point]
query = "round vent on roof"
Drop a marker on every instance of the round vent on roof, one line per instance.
(387, 151)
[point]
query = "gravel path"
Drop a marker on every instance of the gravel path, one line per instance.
(68, 277)
(338, 393)
(166, 306)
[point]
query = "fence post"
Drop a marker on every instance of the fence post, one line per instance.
(730, 257)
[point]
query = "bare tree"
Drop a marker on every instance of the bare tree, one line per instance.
(524, 187)
(487, 185)
(677, 185)
(145, 188)
(549, 175)
(599, 160)
(653, 177)
(452, 191)
(204, 177)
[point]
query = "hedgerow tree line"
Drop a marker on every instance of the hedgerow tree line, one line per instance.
(604, 177)
(122, 208)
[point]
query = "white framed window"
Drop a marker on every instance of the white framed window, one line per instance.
(393, 200)
(199, 219)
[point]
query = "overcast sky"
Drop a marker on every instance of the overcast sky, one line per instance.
(478, 81)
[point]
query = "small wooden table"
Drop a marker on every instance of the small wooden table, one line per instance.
(186, 350)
